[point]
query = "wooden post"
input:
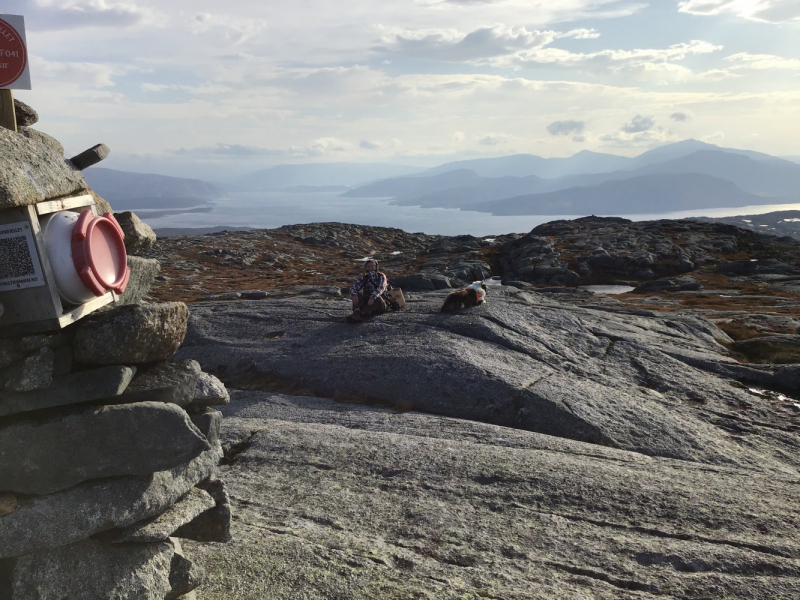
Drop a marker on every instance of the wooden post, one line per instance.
(8, 116)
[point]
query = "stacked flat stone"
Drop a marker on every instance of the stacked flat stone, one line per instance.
(108, 445)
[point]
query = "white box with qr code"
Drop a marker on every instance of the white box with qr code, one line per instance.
(59, 261)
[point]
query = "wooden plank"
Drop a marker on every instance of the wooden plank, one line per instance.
(8, 116)
(51, 206)
(84, 309)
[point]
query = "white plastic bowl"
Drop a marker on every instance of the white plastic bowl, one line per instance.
(57, 232)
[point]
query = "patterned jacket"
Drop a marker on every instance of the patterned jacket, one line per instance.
(373, 283)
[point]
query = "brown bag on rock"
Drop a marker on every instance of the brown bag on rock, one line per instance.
(396, 297)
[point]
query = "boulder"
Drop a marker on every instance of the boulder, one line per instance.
(161, 527)
(75, 388)
(8, 352)
(131, 334)
(26, 116)
(33, 170)
(668, 284)
(208, 422)
(173, 380)
(617, 377)
(213, 525)
(39, 137)
(8, 504)
(184, 575)
(753, 267)
(102, 204)
(415, 505)
(94, 506)
(108, 441)
(34, 372)
(138, 235)
(413, 283)
(91, 570)
(63, 360)
(33, 343)
(143, 273)
(90, 157)
(254, 294)
(210, 391)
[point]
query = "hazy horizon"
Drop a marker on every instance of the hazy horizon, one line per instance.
(192, 90)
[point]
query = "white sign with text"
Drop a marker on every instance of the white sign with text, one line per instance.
(14, 68)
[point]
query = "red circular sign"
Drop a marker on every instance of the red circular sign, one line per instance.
(13, 56)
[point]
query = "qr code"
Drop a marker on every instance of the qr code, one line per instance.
(15, 258)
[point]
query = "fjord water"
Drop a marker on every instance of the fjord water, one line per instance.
(265, 210)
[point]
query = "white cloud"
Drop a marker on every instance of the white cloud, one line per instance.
(381, 146)
(645, 139)
(745, 60)
(237, 30)
(493, 139)
(768, 11)
(77, 14)
(476, 46)
(641, 60)
(638, 124)
(318, 148)
(86, 74)
(712, 138)
(510, 47)
(566, 127)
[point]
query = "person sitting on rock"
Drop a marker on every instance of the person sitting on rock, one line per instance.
(369, 293)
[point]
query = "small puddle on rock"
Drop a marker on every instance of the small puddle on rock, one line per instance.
(610, 290)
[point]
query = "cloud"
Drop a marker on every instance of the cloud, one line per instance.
(552, 11)
(717, 136)
(638, 140)
(566, 127)
(91, 75)
(228, 151)
(638, 124)
(237, 30)
(579, 138)
(478, 46)
(318, 148)
(66, 15)
(367, 145)
(680, 116)
(450, 45)
(745, 60)
(767, 11)
(493, 139)
(658, 62)
(509, 47)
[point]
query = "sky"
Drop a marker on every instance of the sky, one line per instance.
(213, 89)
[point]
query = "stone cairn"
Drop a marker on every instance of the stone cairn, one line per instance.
(108, 444)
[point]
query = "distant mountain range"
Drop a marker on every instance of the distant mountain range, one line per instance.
(584, 162)
(644, 194)
(125, 190)
(680, 176)
(659, 182)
